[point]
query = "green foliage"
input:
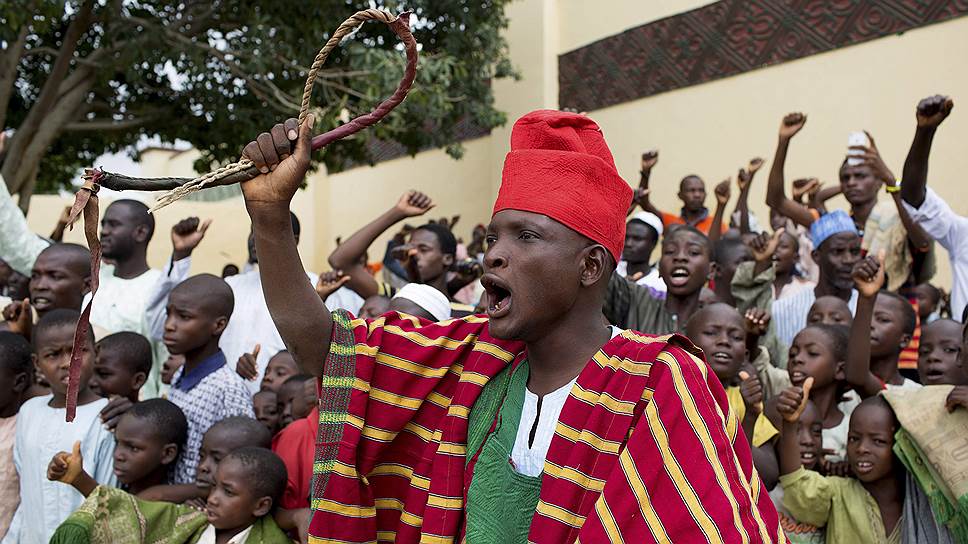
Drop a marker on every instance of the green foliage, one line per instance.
(216, 73)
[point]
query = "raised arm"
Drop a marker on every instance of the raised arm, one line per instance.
(649, 160)
(348, 255)
(722, 198)
(820, 196)
(301, 318)
(775, 195)
(790, 404)
(868, 277)
(744, 180)
(872, 158)
(930, 113)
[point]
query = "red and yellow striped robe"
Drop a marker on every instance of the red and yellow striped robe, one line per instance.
(645, 448)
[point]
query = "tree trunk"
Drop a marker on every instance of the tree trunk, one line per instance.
(28, 190)
(8, 72)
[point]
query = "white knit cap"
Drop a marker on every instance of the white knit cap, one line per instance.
(649, 219)
(428, 298)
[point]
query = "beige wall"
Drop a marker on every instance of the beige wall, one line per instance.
(709, 129)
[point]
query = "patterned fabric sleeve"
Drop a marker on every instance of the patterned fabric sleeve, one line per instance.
(807, 496)
(386, 385)
(686, 474)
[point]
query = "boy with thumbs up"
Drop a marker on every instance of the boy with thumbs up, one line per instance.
(42, 432)
(882, 327)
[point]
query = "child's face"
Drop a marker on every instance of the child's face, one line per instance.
(939, 354)
(280, 368)
(291, 399)
(54, 358)
(887, 327)
(811, 355)
(684, 265)
(721, 336)
(189, 325)
(726, 268)
(216, 444)
(139, 450)
(232, 504)
(927, 303)
(869, 443)
(810, 436)
(112, 376)
(266, 409)
(829, 311)
(786, 256)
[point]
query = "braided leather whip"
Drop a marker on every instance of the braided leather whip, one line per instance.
(86, 200)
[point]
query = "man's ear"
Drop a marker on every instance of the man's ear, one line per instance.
(169, 452)
(140, 234)
(21, 382)
(905, 340)
(713, 271)
(594, 265)
(840, 372)
(87, 285)
(815, 255)
(262, 507)
(448, 260)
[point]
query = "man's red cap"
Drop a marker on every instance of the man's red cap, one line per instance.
(560, 166)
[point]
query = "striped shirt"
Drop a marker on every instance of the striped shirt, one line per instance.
(790, 313)
(645, 447)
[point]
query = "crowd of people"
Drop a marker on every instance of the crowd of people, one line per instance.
(488, 387)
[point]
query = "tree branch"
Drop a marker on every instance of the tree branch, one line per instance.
(8, 71)
(106, 124)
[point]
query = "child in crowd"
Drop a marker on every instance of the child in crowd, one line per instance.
(882, 327)
(205, 387)
(281, 367)
(685, 267)
(939, 355)
(149, 438)
(809, 431)
(122, 362)
(248, 484)
(719, 330)
(830, 310)
(728, 253)
(42, 431)
(168, 368)
(223, 437)
(266, 407)
(818, 352)
(865, 508)
(929, 302)
(292, 399)
(16, 375)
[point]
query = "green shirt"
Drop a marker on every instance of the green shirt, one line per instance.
(500, 501)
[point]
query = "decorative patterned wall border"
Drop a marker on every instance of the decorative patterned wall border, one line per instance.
(727, 38)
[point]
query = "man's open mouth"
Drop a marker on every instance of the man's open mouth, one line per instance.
(679, 276)
(498, 296)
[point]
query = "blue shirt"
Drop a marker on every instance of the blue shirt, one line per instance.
(187, 382)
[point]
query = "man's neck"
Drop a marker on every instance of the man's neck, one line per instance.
(682, 307)
(694, 216)
(862, 211)
(632, 269)
(559, 356)
(131, 267)
(195, 357)
(885, 368)
(11, 408)
(826, 289)
(440, 283)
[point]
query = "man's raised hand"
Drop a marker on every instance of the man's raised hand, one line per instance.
(19, 316)
(414, 203)
(791, 124)
(283, 166)
(186, 235)
(791, 402)
(649, 159)
(872, 159)
(804, 186)
(868, 275)
(931, 111)
(722, 192)
(329, 283)
(763, 245)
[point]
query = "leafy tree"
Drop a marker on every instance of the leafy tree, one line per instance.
(85, 77)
